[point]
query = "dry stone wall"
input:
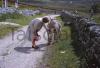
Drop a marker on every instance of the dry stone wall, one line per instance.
(85, 34)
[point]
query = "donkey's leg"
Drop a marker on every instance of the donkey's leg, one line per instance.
(49, 37)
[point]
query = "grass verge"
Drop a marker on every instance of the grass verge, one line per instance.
(61, 54)
(6, 29)
(22, 20)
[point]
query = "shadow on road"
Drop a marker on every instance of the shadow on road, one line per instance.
(30, 49)
(23, 49)
(42, 45)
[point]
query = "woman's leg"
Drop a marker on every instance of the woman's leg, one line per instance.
(34, 39)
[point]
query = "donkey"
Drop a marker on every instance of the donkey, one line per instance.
(54, 30)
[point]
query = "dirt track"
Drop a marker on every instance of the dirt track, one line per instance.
(17, 53)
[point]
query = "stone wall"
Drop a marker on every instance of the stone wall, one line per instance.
(85, 38)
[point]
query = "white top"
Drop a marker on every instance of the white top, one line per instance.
(34, 25)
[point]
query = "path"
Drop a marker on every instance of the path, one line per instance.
(17, 53)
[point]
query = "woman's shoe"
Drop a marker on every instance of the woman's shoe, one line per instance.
(35, 47)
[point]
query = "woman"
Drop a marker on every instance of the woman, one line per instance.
(33, 29)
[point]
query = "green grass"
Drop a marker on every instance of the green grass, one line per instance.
(3, 17)
(15, 18)
(68, 59)
(25, 20)
(28, 7)
(22, 20)
(6, 29)
(97, 18)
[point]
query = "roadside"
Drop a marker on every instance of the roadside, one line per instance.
(8, 25)
(61, 54)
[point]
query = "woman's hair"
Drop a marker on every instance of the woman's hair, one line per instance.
(45, 19)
